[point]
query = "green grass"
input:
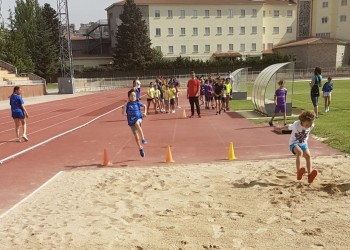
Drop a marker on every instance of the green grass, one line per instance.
(333, 126)
(52, 86)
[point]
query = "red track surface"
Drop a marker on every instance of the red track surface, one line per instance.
(193, 140)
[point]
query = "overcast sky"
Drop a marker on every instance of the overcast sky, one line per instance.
(80, 11)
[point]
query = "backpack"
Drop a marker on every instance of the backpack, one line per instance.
(315, 89)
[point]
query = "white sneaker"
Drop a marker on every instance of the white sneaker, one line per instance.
(173, 111)
(25, 137)
(18, 140)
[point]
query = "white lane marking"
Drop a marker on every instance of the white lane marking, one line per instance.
(57, 136)
(30, 195)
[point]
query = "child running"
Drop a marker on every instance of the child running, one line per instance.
(132, 108)
(298, 142)
(280, 102)
(327, 92)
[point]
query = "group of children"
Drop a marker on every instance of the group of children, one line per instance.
(216, 93)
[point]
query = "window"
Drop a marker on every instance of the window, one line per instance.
(242, 31)
(195, 31)
(289, 13)
(171, 50)
(242, 13)
(158, 32)
(264, 30)
(342, 18)
(206, 31)
(158, 48)
(207, 48)
(254, 13)
(242, 47)
(230, 47)
(218, 13)
(276, 13)
(206, 13)
(183, 32)
(170, 14)
(325, 5)
(194, 14)
(157, 14)
(289, 29)
(195, 48)
(230, 13)
(264, 13)
(170, 31)
(230, 30)
(324, 20)
(219, 47)
(182, 14)
(253, 46)
(219, 31)
(344, 2)
(276, 30)
(183, 49)
(269, 45)
(254, 30)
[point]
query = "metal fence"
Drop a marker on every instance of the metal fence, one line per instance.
(100, 84)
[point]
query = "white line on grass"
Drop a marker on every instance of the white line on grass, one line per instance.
(30, 195)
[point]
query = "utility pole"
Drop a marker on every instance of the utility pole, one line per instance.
(66, 58)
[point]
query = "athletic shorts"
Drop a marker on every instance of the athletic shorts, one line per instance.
(150, 99)
(314, 100)
(133, 127)
(303, 147)
(208, 98)
(327, 93)
(280, 108)
(172, 101)
(217, 97)
(18, 115)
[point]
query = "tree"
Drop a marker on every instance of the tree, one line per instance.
(133, 46)
(47, 49)
(14, 50)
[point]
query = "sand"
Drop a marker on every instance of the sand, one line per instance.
(228, 205)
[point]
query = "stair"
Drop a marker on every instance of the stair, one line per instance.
(5, 75)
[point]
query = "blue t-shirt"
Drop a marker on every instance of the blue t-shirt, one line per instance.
(327, 87)
(133, 112)
(16, 102)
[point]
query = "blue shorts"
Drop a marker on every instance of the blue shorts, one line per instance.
(303, 147)
(133, 127)
(18, 115)
(314, 100)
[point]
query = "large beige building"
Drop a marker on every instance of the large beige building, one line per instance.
(330, 18)
(205, 29)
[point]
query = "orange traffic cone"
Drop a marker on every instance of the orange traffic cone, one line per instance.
(184, 113)
(106, 161)
(169, 157)
(231, 153)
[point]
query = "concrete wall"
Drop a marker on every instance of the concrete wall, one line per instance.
(27, 91)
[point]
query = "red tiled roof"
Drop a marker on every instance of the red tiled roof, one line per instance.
(311, 40)
(227, 54)
(209, 2)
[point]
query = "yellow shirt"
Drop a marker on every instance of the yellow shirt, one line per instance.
(172, 93)
(228, 88)
(150, 92)
(156, 93)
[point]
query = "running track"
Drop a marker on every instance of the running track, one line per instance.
(73, 133)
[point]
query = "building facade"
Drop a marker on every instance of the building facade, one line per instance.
(204, 29)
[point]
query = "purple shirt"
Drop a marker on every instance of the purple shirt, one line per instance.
(281, 95)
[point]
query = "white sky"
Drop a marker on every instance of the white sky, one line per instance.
(80, 11)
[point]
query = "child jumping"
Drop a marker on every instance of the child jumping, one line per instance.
(327, 92)
(280, 102)
(298, 143)
(132, 108)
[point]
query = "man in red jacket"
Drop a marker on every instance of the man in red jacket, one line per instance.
(193, 91)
